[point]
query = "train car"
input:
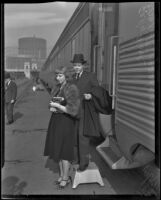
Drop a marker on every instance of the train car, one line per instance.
(118, 41)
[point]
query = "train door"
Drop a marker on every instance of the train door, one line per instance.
(107, 28)
(134, 108)
(106, 74)
(110, 39)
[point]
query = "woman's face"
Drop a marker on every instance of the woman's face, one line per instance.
(60, 78)
(78, 67)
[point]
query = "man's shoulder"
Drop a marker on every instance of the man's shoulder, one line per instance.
(86, 73)
(12, 83)
(89, 74)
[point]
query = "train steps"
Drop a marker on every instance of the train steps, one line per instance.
(112, 155)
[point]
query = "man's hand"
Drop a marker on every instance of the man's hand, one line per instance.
(12, 101)
(53, 109)
(87, 96)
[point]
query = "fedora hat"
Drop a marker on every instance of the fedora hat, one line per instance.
(7, 75)
(78, 58)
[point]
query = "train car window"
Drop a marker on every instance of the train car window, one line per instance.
(59, 59)
(73, 47)
(81, 40)
(77, 43)
(86, 41)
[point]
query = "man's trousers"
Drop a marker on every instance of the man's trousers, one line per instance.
(9, 111)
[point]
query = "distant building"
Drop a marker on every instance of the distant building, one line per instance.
(35, 47)
(31, 56)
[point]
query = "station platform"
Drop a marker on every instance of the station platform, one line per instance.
(26, 171)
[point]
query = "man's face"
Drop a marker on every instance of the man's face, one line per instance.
(78, 67)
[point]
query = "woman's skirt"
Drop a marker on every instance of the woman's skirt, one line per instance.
(60, 137)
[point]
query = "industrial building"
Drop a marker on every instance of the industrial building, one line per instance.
(31, 56)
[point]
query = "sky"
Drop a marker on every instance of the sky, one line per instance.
(43, 20)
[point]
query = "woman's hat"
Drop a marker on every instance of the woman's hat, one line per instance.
(67, 71)
(78, 58)
(61, 70)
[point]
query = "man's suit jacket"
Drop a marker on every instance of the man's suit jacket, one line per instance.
(10, 92)
(86, 82)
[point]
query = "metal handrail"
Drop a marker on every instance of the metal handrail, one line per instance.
(113, 57)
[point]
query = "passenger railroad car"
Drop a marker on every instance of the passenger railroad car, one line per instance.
(117, 40)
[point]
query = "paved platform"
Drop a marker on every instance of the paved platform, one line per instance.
(27, 171)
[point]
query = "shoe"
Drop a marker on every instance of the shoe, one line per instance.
(64, 183)
(82, 168)
(58, 181)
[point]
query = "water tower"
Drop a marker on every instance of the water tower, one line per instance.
(32, 46)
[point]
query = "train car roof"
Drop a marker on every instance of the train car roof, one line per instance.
(80, 5)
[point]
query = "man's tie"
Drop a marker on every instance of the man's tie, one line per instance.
(77, 76)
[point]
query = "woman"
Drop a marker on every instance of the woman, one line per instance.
(60, 137)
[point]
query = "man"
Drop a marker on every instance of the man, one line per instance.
(10, 97)
(85, 81)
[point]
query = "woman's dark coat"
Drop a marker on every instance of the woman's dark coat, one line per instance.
(61, 130)
(71, 95)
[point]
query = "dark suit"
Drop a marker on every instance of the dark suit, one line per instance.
(84, 84)
(10, 94)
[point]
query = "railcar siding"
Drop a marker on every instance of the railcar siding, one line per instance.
(135, 112)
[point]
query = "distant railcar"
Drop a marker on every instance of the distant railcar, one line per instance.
(117, 40)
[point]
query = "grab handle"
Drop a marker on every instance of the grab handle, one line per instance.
(113, 62)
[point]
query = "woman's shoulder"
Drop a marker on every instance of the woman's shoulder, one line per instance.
(55, 89)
